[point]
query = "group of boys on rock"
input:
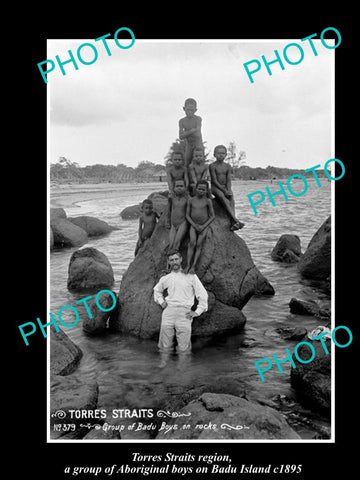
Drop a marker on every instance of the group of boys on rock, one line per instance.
(192, 183)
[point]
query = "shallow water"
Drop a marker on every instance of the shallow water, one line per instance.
(126, 367)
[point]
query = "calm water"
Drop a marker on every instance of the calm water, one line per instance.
(125, 367)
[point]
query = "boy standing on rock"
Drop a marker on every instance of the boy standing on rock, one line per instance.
(190, 130)
(147, 223)
(199, 214)
(177, 215)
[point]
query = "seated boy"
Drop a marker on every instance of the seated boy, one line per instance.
(176, 171)
(220, 173)
(198, 170)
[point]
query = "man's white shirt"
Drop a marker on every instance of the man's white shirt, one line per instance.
(182, 288)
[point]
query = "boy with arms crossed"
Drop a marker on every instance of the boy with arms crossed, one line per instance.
(190, 129)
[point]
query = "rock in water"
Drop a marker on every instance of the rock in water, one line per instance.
(316, 261)
(95, 322)
(64, 353)
(312, 380)
(71, 392)
(89, 269)
(67, 234)
(93, 226)
(63, 232)
(225, 268)
(57, 213)
(159, 200)
(287, 249)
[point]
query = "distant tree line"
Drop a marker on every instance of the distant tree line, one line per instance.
(65, 170)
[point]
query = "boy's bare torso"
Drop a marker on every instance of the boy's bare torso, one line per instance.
(149, 223)
(199, 210)
(187, 123)
(221, 171)
(178, 210)
(199, 170)
(177, 173)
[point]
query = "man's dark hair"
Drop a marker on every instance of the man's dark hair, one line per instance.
(174, 252)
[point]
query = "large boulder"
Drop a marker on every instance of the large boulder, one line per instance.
(131, 212)
(89, 269)
(93, 226)
(67, 234)
(287, 249)
(220, 319)
(225, 417)
(225, 268)
(312, 380)
(160, 200)
(316, 261)
(64, 353)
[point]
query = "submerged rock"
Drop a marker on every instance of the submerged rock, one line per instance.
(89, 269)
(316, 261)
(225, 268)
(222, 416)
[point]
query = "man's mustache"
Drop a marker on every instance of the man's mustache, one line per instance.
(175, 265)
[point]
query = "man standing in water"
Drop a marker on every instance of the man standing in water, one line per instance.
(177, 316)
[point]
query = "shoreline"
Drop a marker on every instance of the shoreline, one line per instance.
(63, 195)
(68, 195)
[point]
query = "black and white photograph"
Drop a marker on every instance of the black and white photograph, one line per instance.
(190, 254)
(188, 316)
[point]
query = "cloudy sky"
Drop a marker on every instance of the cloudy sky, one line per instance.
(125, 108)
